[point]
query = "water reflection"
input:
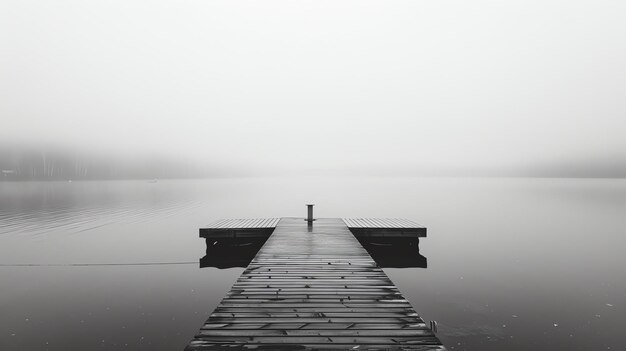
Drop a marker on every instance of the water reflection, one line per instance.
(502, 278)
(229, 253)
(394, 253)
(388, 253)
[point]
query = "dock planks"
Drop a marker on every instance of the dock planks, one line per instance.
(244, 223)
(384, 228)
(314, 287)
(239, 228)
(380, 223)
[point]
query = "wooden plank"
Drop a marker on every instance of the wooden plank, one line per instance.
(243, 223)
(205, 345)
(290, 309)
(313, 332)
(312, 298)
(249, 314)
(373, 290)
(314, 289)
(348, 290)
(320, 305)
(319, 273)
(282, 285)
(251, 228)
(264, 223)
(381, 223)
(285, 321)
(352, 340)
(316, 326)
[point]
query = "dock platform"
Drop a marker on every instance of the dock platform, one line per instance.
(240, 228)
(314, 287)
(360, 227)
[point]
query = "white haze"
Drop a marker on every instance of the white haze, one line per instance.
(309, 86)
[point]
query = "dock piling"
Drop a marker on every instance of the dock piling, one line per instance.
(310, 218)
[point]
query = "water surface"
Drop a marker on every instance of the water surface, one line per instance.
(513, 264)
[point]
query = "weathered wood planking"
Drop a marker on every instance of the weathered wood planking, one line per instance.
(244, 223)
(310, 288)
(239, 228)
(380, 223)
(384, 227)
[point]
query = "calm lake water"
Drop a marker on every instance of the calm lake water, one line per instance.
(513, 264)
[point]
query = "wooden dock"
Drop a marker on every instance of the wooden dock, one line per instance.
(240, 228)
(314, 287)
(360, 227)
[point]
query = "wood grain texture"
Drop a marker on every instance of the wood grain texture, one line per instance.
(314, 287)
(384, 228)
(241, 228)
(386, 223)
(243, 223)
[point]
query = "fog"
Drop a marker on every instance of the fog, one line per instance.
(310, 87)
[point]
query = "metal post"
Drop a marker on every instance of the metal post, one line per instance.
(310, 213)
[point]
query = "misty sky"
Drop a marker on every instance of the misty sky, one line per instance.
(314, 85)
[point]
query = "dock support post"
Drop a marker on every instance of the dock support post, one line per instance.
(310, 218)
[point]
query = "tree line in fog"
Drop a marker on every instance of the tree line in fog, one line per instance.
(20, 163)
(62, 165)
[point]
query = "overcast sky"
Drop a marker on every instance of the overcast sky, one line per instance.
(321, 85)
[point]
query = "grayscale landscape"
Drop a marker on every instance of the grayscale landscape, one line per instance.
(125, 126)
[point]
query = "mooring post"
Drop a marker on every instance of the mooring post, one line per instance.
(433, 326)
(310, 218)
